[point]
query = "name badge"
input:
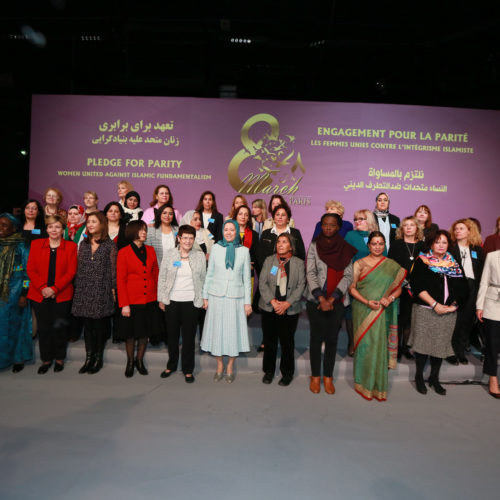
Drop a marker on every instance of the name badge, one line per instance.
(175, 234)
(210, 236)
(473, 254)
(274, 270)
(366, 240)
(177, 263)
(393, 226)
(35, 231)
(211, 220)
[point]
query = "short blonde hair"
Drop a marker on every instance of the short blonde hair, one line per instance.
(52, 219)
(370, 219)
(335, 204)
(474, 236)
(420, 231)
(123, 182)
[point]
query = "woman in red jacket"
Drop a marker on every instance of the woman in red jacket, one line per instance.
(137, 283)
(51, 268)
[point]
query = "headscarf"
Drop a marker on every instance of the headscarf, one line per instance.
(186, 220)
(335, 252)
(447, 265)
(73, 228)
(8, 246)
(382, 213)
(134, 213)
(230, 245)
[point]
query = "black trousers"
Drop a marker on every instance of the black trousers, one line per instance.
(96, 332)
(282, 328)
(181, 317)
(53, 324)
(466, 316)
(492, 347)
(325, 328)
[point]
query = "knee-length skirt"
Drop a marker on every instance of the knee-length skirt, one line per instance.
(431, 332)
(225, 331)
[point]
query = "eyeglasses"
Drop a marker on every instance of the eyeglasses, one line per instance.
(358, 219)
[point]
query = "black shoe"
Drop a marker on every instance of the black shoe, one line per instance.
(139, 364)
(89, 361)
(129, 370)
(267, 378)
(438, 388)
(190, 379)
(285, 380)
(44, 368)
(260, 348)
(97, 364)
(453, 360)
(17, 367)
(58, 367)
(463, 360)
(420, 384)
(166, 374)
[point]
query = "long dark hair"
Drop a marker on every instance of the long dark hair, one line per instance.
(199, 207)
(159, 211)
(39, 221)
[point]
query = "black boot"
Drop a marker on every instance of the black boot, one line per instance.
(99, 358)
(434, 378)
(89, 362)
(97, 363)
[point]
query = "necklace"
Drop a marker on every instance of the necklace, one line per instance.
(412, 250)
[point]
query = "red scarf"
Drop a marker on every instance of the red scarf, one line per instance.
(334, 252)
(247, 237)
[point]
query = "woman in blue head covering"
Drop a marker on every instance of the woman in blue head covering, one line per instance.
(16, 345)
(227, 299)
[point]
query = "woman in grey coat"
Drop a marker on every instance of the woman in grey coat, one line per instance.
(180, 285)
(282, 281)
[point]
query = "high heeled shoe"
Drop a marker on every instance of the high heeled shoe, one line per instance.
(438, 388)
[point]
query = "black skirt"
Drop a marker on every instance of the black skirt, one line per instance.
(145, 321)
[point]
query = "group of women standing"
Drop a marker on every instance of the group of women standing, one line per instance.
(145, 274)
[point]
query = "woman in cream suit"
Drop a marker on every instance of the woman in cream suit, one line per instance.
(488, 312)
(227, 299)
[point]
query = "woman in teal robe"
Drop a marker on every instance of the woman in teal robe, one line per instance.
(16, 346)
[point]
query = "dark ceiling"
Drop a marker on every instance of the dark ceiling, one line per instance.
(440, 53)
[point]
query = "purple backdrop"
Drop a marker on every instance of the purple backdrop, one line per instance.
(310, 152)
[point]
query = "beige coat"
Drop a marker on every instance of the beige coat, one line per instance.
(488, 297)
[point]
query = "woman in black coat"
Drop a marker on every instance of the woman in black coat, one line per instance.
(467, 251)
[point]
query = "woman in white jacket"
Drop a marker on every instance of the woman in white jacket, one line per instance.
(488, 312)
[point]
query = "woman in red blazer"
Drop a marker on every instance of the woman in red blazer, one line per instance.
(137, 283)
(51, 268)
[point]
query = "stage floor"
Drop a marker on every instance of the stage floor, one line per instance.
(70, 436)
